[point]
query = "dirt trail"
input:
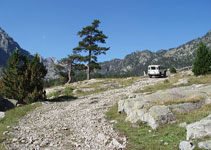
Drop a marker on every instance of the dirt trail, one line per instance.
(79, 124)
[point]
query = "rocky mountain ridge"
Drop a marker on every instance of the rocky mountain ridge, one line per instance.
(133, 64)
(136, 63)
(8, 45)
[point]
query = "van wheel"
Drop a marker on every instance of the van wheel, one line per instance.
(164, 74)
(150, 76)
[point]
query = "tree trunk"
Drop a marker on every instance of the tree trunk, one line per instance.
(88, 66)
(88, 72)
(69, 75)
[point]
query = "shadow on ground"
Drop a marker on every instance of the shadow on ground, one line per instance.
(62, 99)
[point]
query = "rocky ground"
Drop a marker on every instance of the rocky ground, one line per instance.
(75, 124)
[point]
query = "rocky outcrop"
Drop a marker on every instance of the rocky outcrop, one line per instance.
(199, 129)
(148, 108)
(136, 63)
(205, 145)
(186, 107)
(158, 115)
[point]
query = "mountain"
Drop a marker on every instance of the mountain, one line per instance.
(136, 63)
(8, 45)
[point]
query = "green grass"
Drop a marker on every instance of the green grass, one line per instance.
(66, 93)
(11, 119)
(98, 88)
(167, 84)
(140, 138)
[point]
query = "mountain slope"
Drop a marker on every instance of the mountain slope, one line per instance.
(8, 45)
(137, 62)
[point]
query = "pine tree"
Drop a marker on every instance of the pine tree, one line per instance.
(23, 79)
(89, 44)
(70, 64)
(202, 60)
(9, 82)
(35, 74)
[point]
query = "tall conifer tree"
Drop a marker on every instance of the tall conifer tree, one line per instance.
(202, 60)
(89, 44)
(70, 64)
(23, 79)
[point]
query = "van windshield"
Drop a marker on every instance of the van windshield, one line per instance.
(153, 68)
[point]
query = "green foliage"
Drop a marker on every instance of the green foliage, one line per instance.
(23, 79)
(202, 62)
(68, 66)
(89, 44)
(173, 70)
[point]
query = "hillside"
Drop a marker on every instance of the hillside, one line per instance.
(8, 45)
(137, 62)
(128, 113)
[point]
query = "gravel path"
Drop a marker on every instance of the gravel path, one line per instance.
(79, 124)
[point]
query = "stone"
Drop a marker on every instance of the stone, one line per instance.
(2, 115)
(135, 115)
(205, 145)
(183, 125)
(185, 145)
(6, 104)
(158, 115)
(181, 81)
(115, 143)
(186, 107)
(199, 129)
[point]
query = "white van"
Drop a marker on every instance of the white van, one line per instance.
(156, 70)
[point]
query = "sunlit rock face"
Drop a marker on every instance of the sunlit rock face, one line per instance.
(8, 45)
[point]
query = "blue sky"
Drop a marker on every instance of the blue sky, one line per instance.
(49, 27)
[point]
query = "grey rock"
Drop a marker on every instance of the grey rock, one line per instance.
(2, 115)
(136, 115)
(181, 81)
(205, 145)
(185, 145)
(183, 125)
(158, 115)
(6, 104)
(116, 144)
(186, 107)
(199, 129)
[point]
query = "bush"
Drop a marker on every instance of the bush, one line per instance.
(22, 79)
(202, 60)
(173, 70)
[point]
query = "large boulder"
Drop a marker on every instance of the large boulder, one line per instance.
(154, 117)
(6, 104)
(2, 115)
(129, 105)
(158, 115)
(185, 145)
(204, 145)
(199, 129)
(136, 115)
(186, 107)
